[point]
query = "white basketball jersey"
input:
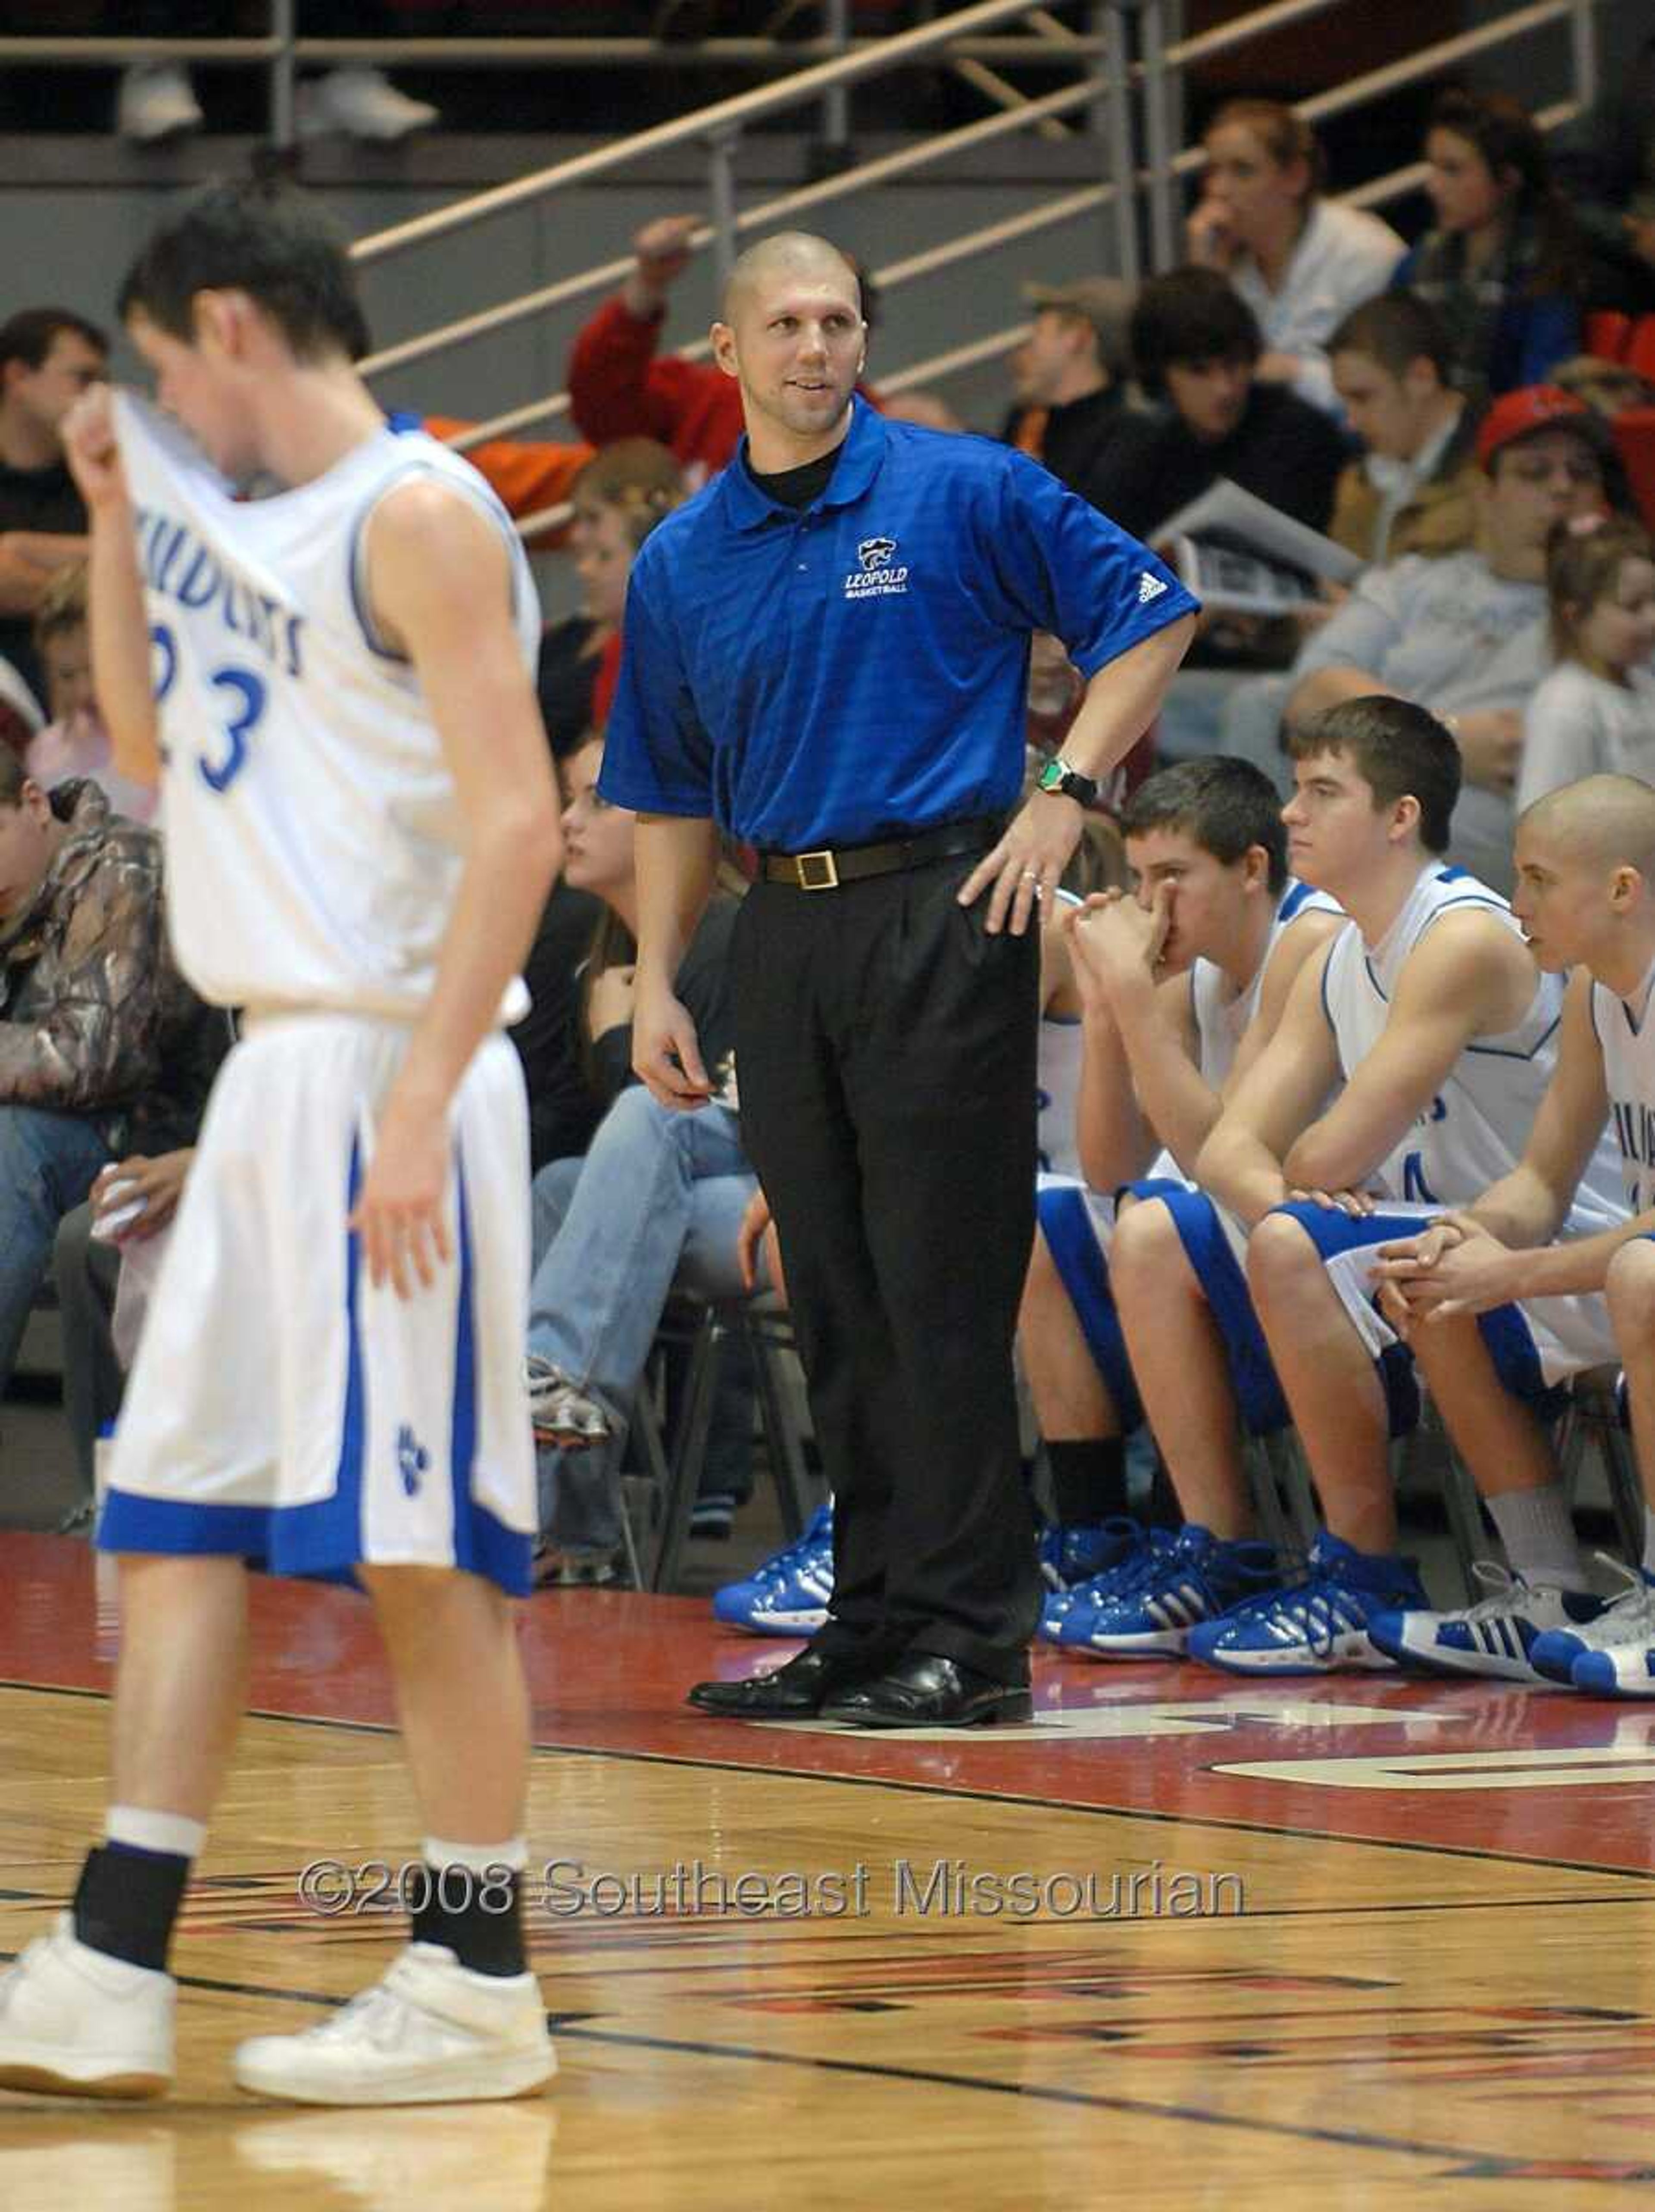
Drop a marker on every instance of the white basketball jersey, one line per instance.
(1221, 1016)
(1628, 1038)
(1058, 1054)
(313, 835)
(1475, 1129)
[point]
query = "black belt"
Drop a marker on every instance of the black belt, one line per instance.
(827, 871)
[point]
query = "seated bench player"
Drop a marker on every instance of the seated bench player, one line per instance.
(1585, 894)
(1430, 1008)
(1175, 990)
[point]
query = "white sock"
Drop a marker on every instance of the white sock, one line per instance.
(476, 1858)
(143, 1831)
(1537, 1530)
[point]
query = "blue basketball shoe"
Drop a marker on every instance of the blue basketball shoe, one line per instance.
(1128, 1544)
(1315, 1626)
(790, 1594)
(1195, 1579)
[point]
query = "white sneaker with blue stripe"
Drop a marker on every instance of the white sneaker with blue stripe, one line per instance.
(1196, 1578)
(1316, 1626)
(1494, 1636)
(790, 1594)
(1628, 1619)
(1138, 1547)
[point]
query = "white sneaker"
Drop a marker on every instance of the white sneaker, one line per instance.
(76, 2021)
(431, 2033)
(1630, 1619)
(364, 104)
(156, 101)
(1494, 1637)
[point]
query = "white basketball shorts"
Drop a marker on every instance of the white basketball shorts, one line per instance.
(282, 1408)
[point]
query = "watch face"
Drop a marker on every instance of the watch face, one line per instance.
(1051, 776)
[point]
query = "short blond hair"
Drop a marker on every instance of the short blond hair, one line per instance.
(62, 603)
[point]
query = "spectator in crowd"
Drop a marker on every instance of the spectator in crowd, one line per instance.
(1415, 487)
(619, 496)
(48, 357)
(1503, 265)
(658, 1198)
(93, 1063)
(1197, 347)
(157, 100)
(618, 388)
(107, 1250)
(1069, 374)
(75, 743)
(1595, 713)
(1606, 163)
(1300, 262)
(1465, 634)
(1613, 387)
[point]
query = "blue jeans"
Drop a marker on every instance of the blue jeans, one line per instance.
(655, 1203)
(48, 1163)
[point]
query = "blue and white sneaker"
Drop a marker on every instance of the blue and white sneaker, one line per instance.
(790, 1594)
(1628, 1619)
(1133, 1545)
(1494, 1637)
(1315, 1626)
(1197, 1578)
(1611, 1655)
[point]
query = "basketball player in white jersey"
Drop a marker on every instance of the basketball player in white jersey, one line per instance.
(1585, 894)
(360, 829)
(1430, 1006)
(1175, 986)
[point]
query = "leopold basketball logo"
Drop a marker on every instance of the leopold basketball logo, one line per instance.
(875, 579)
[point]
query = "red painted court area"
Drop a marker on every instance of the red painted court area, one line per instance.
(1539, 1776)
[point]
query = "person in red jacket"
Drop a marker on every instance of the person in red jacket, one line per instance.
(618, 389)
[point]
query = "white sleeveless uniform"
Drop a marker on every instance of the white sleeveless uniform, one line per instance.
(1626, 1036)
(1475, 1129)
(1078, 1222)
(281, 1406)
(1059, 1050)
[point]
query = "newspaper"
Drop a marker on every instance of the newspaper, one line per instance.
(1239, 554)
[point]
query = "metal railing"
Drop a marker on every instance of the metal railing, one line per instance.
(1149, 72)
(1131, 72)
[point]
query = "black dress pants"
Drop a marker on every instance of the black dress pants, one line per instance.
(885, 1051)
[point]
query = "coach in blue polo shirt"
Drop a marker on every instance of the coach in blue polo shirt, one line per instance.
(826, 655)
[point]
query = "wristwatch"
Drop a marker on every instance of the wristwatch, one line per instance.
(1057, 775)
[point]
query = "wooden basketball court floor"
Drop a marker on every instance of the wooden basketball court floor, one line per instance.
(1352, 1942)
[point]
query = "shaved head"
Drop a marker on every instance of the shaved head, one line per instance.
(788, 258)
(1604, 822)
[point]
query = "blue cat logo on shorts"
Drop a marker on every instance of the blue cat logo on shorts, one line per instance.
(876, 553)
(412, 1459)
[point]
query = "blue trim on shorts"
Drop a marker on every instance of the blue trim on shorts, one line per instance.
(1504, 1331)
(323, 1541)
(1264, 1409)
(1332, 1232)
(1072, 1238)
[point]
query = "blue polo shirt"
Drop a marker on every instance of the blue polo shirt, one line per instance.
(860, 668)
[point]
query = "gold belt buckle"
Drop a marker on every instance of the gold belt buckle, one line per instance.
(817, 872)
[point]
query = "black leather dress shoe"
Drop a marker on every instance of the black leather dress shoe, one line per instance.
(926, 1690)
(791, 1692)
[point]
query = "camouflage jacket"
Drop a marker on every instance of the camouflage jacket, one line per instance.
(94, 1017)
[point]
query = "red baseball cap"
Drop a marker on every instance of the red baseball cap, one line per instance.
(1537, 407)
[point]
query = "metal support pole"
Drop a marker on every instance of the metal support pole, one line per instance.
(281, 30)
(1583, 46)
(1113, 120)
(1158, 137)
(836, 100)
(721, 200)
